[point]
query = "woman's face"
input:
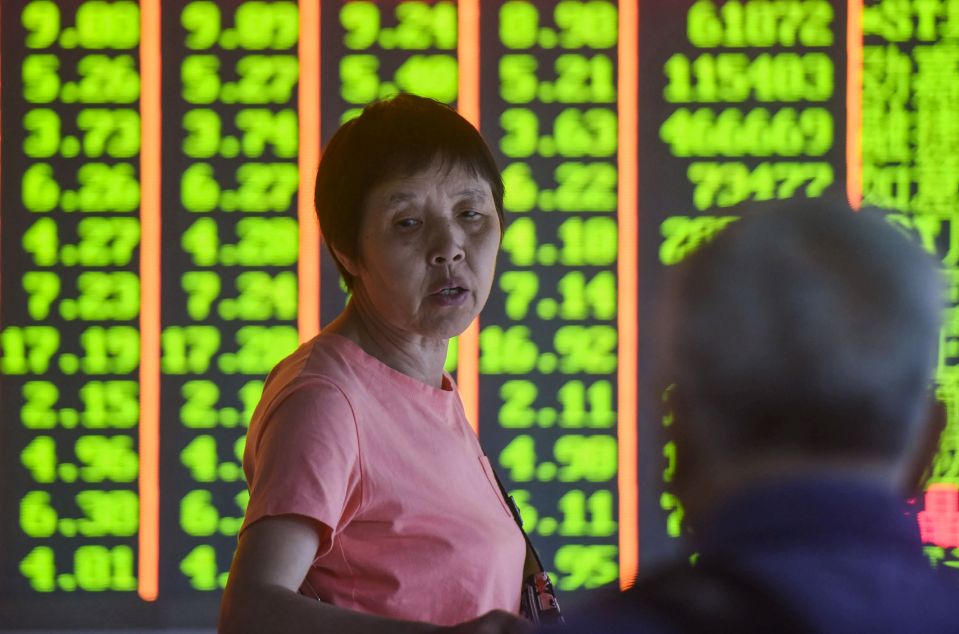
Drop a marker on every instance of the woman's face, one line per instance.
(427, 251)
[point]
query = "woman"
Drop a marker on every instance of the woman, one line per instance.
(368, 489)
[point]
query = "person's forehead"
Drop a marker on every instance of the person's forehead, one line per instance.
(439, 178)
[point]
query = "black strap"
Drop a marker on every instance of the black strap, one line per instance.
(533, 563)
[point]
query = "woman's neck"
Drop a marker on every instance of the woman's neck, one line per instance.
(421, 358)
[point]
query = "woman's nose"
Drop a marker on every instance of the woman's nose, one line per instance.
(446, 244)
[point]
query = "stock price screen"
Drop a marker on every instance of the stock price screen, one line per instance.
(159, 251)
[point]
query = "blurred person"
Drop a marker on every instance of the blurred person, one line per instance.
(799, 346)
(372, 506)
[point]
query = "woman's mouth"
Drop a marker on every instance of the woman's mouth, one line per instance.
(450, 296)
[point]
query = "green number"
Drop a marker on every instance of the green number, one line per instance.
(520, 288)
(261, 25)
(108, 24)
(188, 349)
(111, 350)
(201, 241)
(586, 567)
(202, 22)
(200, 566)
(704, 28)
(519, 242)
(591, 458)
(39, 398)
(107, 241)
(40, 459)
(43, 127)
(586, 349)
(413, 30)
(508, 351)
(362, 23)
(110, 404)
(110, 458)
(585, 79)
(259, 349)
(588, 241)
(435, 76)
(113, 132)
(521, 127)
(114, 513)
(42, 242)
(39, 190)
(42, 287)
(261, 297)
(39, 567)
(265, 79)
(106, 79)
(521, 189)
(261, 126)
(200, 457)
(518, 24)
(517, 77)
(198, 516)
(199, 189)
(593, 24)
(41, 83)
(263, 242)
(586, 407)
(92, 568)
(42, 19)
(28, 349)
(201, 287)
(582, 299)
(359, 79)
(518, 397)
(674, 520)
(519, 457)
(105, 296)
(106, 187)
(263, 187)
(574, 505)
(682, 235)
(593, 132)
(37, 517)
(199, 404)
(200, 77)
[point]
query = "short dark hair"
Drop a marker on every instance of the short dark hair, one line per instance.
(401, 135)
(807, 328)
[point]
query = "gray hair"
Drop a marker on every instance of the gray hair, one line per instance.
(808, 328)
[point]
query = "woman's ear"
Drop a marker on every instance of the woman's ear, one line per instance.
(351, 264)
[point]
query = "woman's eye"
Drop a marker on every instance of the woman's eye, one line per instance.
(407, 222)
(471, 214)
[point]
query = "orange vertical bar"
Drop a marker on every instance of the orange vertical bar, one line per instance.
(467, 370)
(308, 266)
(150, 166)
(628, 270)
(854, 104)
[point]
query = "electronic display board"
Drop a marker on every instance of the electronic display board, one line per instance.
(159, 252)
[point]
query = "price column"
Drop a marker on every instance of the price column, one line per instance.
(741, 107)
(548, 339)
(69, 336)
(910, 115)
(230, 147)
(373, 51)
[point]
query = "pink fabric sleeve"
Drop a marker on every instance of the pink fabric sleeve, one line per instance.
(305, 461)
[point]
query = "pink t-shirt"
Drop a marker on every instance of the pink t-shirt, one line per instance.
(413, 524)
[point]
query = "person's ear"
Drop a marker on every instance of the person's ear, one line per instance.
(919, 463)
(351, 264)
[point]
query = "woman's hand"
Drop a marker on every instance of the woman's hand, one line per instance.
(493, 622)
